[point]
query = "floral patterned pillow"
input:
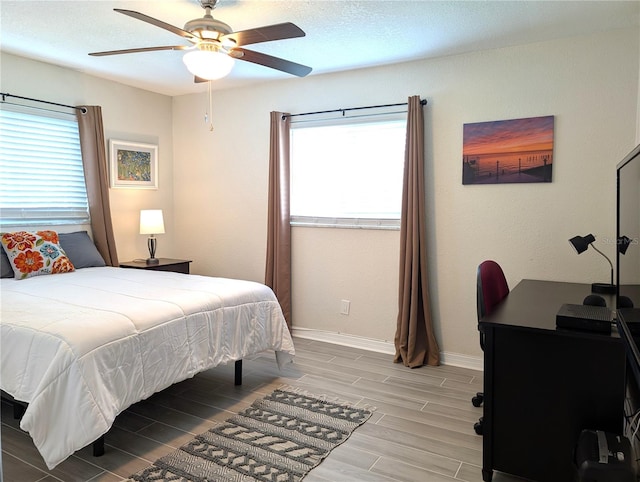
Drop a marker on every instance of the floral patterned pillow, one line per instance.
(34, 254)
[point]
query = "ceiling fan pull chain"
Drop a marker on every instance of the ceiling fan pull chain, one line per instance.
(208, 115)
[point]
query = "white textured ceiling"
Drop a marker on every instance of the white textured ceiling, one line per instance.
(340, 34)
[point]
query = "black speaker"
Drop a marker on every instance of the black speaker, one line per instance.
(625, 302)
(594, 300)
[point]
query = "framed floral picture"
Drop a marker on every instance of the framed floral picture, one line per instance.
(133, 165)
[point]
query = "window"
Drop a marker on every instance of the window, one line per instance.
(348, 173)
(41, 173)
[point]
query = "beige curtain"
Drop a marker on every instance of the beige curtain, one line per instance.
(278, 268)
(415, 342)
(96, 177)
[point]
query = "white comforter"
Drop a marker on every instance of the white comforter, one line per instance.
(81, 347)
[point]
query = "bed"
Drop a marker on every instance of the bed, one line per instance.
(80, 347)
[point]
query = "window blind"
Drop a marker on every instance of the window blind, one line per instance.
(41, 172)
(348, 172)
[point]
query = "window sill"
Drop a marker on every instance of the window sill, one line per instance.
(346, 223)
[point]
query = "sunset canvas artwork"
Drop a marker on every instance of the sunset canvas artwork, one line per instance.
(508, 151)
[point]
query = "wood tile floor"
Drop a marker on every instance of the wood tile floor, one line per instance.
(421, 431)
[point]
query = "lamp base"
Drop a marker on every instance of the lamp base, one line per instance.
(603, 288)
(153, 261)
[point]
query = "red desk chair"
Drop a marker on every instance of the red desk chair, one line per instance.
(492, 288)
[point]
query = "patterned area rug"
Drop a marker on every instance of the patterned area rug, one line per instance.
(279, 438)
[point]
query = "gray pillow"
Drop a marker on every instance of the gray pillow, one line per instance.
(6, 271)
(80, 250)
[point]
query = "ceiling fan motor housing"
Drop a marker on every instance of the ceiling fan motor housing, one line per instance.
(207, 27)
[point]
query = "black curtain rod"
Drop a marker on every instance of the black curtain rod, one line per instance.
(422, 102)
(5, 95)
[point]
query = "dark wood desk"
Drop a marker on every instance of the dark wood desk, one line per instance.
(544, 385)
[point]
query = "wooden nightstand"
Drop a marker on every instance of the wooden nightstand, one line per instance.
(164, 264)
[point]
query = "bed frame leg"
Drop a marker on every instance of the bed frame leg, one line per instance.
(98, 447)
(18, 410)
(238, 373)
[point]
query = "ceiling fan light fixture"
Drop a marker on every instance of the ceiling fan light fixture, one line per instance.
(208, 64)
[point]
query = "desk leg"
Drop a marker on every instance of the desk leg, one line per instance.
(487, 475)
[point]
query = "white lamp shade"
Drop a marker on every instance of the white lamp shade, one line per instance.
(208, 64)
(151, 221)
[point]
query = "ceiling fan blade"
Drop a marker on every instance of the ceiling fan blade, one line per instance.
(279, 31)
(158, 23)
(143, 49)
(271, 62)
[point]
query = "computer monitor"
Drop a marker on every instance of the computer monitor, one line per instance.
(628, 231)
(628, 280)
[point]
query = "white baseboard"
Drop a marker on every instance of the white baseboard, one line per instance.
(463, 361)
(346, 340)
(380, 346)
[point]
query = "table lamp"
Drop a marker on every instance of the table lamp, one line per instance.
(581, 244)
(151, 223)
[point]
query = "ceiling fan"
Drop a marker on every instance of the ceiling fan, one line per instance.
(215, 45)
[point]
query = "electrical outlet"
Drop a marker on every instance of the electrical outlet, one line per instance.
(344, 307)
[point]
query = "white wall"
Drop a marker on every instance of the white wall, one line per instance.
(590, 85)
(128, 114)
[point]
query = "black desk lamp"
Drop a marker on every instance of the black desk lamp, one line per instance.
(581, 244)
(623, 244)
